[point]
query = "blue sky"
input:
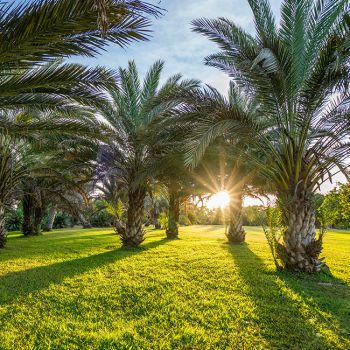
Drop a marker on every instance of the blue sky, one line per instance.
(174, 42)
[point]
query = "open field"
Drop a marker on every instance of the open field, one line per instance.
(76, 289)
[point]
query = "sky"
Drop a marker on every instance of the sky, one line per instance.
(173, 41)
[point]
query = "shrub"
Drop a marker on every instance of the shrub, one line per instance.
(61, 220)
(101, 218)
(13, 219)
(163, 220)
(184, 220)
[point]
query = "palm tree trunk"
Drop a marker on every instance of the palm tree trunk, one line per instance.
(172, 231)
(134, 233)
(33, 213)
(38, 218)
(301, 248)
(155, 220)
(28, 215)
(236, 233)
(51, 218)
(3, 232)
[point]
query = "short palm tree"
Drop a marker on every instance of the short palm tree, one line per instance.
(31, 147)
(297, 73)
(134, 149)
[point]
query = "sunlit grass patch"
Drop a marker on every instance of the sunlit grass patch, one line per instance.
(76, 289)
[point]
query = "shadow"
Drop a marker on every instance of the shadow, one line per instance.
(21, 283)
(286, 317)
(324, 293)
(62, 235)
(56, 241)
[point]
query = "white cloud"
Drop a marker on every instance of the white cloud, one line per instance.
(174, 42)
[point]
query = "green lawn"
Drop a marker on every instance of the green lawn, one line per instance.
(76, 289)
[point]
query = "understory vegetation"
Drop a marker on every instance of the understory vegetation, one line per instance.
(77, 289)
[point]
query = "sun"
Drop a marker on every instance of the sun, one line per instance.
(219, 200)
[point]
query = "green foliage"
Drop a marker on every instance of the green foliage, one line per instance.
(101, 218)
(254, 216)
(62, 220)
(184, 220)
(192, 217)
(76, 289)
(163, 220)
(100, 215)
(201, 215)
(273, 231)
(345, 203)
(114, 209)
(13, 218)
(335, 208)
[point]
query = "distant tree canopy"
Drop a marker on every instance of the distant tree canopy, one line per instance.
(335, 208)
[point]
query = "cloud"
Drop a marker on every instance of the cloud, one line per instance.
(174, 42)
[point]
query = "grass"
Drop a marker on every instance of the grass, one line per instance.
(76, 289)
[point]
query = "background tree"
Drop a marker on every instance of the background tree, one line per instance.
(335, 208)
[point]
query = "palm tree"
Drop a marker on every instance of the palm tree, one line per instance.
(134, 149)
(32, 147)
(64, 163)
(43, 31)
(207, 117)
(33, 36)
(297, 74)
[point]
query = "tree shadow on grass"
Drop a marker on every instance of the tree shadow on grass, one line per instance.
(21, 283)
(285, 318)
(324, 293)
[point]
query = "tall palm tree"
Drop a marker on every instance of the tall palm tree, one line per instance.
(134, 148)
(298, 75)
(211, 116)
